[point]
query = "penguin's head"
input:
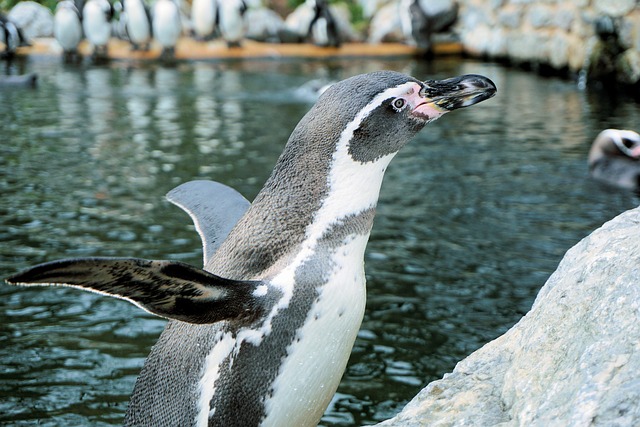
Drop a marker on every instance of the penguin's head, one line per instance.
(380, 112)
(628, 142)
(615, 143)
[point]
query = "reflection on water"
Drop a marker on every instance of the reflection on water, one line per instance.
(474, 215)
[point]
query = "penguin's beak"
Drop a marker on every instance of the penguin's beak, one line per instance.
(457, 92)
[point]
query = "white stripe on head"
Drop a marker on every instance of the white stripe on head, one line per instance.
(354, 186)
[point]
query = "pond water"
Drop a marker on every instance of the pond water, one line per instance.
(474, 215)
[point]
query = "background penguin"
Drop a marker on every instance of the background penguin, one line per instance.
(67, 28)
(614, 158)
(204, 16)
(11, 36)
(420, 19)
(231, 21)
(323, 30)
(96, 22)
(166, 26)
(29, 80)
(137, 23)
(262, 334)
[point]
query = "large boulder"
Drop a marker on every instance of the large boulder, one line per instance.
(386, 25)
(33, 19)
(265, 25)
(573, 360)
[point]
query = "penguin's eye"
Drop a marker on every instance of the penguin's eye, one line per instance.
(628, 143)
(398, 104)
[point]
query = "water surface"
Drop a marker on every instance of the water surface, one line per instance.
(474, 215)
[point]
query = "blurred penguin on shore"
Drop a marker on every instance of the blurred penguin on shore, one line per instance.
(11, 37)
(96, 23)
(137, 23)
(167, 26)
(204, 18)
(67, 28)
(323, 30)
(231, 21)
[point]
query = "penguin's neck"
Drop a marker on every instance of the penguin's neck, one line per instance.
(353, 188)
(303, 202)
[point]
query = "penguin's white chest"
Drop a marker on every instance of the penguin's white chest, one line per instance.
(166, 23)
(232, 23)
(95, 24)
(321, 32)
(203, 16)
(67, 29)
(137, 22)
(317, 357)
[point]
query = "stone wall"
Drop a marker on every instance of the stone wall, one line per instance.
(558, 33)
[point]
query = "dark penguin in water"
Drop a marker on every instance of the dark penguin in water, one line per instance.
(614, 158)
(323, 29)
(67, 28)
(261, 336)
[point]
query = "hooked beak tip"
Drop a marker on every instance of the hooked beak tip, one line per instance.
(459, 92)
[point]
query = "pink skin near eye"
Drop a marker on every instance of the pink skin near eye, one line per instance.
(422, 107)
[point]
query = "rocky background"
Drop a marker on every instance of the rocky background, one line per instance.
(598, 38)
(595, 40)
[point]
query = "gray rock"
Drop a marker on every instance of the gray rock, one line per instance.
(573, 360)
(614, 7)
(385, 25)
(510, 17)
(265, 24)
(34, 19)
(628, 67)
(540, 16)
(370, 7)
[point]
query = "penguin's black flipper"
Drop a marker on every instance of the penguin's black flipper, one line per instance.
(168, 289)
(214, 209)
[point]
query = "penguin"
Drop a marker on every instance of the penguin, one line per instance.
(167, 26)
(96, 23)
(137, 24)
(262, 334)
(614, 158)
(204, 16)
(420, 19)
(11, 37)
(67, 28)
(323, 29)
(29, 80)
(231, 21)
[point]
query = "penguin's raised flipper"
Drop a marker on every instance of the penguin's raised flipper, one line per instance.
(214, 208)
(168, 289)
